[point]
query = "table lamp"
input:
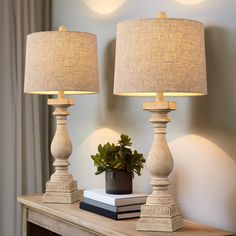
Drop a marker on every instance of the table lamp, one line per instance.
(160, 57)
(61, 62)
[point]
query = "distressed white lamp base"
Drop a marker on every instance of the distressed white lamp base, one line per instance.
(62, 197)
(162, 216)
(61, 188)
(161, 212)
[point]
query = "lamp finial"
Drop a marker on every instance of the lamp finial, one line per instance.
(62, 28)
(162, 15)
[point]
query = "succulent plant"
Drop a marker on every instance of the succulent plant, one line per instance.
(118, 157)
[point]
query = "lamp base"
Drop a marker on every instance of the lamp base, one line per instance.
(62, 192)
(60, 197)
(161, 212)
(164, 215)
(160, 224)
(61, 188)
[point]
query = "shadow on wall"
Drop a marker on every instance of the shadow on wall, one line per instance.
(115, 106)
(215, 114)
(109, 64)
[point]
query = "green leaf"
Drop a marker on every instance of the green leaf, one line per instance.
(100, 169)
(120, 156)
(100, 149)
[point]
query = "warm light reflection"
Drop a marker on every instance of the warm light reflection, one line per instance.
(85, 175)
(203, 179)
(166, 94)
(190, 2)
(104, 6)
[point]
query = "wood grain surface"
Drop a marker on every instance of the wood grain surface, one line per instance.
(70, 220)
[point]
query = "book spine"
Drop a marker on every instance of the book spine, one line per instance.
(98, 210)
(129, 201)
(100, 204)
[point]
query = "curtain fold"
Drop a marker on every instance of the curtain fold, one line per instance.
(24, 132)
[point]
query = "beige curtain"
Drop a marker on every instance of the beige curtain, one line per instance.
(24, 161)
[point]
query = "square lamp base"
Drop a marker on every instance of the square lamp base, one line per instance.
(158, 224)
(160, 217)
(60, 197)
(62, 192)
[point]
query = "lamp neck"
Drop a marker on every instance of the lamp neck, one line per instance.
(61, 95)
(159, 97)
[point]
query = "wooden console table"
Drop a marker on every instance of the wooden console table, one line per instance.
(69, 220)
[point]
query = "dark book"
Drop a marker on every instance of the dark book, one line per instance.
(125, 208)
(110, 214)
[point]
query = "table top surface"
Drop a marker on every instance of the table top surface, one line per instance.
(73, 214)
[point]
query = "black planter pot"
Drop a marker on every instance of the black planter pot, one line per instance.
(119, 182)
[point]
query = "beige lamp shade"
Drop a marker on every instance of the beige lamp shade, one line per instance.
(160, 56)
(61, 61)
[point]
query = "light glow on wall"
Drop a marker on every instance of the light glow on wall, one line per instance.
(189, 2)
(82, 167)
(104, 6)
(204, 173)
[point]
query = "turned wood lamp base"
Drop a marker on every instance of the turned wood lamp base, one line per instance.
(61, 188)
(161, 212)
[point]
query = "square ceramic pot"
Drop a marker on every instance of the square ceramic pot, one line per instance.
(119, 182)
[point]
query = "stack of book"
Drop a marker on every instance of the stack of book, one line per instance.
(114, 206)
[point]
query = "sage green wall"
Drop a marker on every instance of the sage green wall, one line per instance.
(202, 134)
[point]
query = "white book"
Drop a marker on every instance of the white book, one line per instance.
(115, 199)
